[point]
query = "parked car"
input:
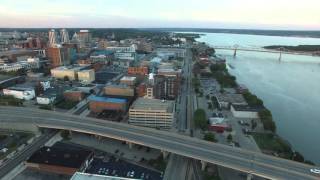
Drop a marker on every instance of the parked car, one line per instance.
(316, 171)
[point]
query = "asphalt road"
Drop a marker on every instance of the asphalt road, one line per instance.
(23, 155)
(178, 166)
(231, 157)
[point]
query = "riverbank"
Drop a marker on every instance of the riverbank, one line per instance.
(315, 49)
(268, 140)
(287, 88)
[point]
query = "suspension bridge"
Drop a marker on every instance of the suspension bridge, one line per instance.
(279, 51)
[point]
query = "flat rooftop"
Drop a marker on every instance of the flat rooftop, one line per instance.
(17, 88)
(153, 104)
(86, 176)
(232, 98)
(60, 156)
(128, 78)
(107, 99)
(247, 108)
(124, 86)
(75, 68)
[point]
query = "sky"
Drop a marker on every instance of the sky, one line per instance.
(239, 14)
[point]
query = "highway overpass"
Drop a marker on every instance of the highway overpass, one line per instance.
(231, 157)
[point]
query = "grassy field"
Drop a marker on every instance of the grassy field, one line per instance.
(272, 143)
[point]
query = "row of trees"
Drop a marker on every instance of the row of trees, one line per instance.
(252, 99)
(267, 120)
(221, 74)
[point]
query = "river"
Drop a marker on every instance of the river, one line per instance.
(290, 88)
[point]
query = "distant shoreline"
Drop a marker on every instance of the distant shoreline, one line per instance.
(282, 33)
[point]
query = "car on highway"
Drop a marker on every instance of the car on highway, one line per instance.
(316, 171)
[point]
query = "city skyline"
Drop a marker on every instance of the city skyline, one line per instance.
(247, 14)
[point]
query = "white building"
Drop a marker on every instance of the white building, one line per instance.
(45, 100)
(20, 65)
(86, 76)
(125, 55)
(67, 71)
(131, 48)
(20, 93)
(153, 113)
(171, 51)
(245, 111)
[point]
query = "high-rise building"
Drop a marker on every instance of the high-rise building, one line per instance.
(84, 37)
(166, 87)
(58, 56)
(64, 36)
(52, 38)
(152, 113)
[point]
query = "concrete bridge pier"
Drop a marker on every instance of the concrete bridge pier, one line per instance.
(203, 165)
(235, 52)
(130, 144)
(249, 176)
(280, 56)
(98, 137)
(165, 154)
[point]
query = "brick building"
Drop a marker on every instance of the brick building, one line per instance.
(59, 159)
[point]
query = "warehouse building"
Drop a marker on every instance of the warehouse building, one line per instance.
(119, 90)
(86, 76)
(245, 111)
(24, 93)
(225, 100)
(74, 95)
(128, 80)
(60, 160)
(99, 104)
(68, 71)
(153, 113)
(138, 70)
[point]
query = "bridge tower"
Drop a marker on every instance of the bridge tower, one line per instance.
(280, 56)
(235, 50)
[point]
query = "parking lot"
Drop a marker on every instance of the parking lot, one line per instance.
(112, 166)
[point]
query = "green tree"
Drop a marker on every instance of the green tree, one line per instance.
(297, 157)
(210, 137)
(229, 138)
(65, 134)
(200, 119)
(309, 162)
(66, 78)
(207, 96)
(267, 120)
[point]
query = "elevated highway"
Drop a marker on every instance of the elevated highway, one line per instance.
(231, 157)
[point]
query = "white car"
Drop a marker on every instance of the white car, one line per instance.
(317, 171)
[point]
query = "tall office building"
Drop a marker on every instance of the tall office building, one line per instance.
(58, 56)
(84, 37)
(52, 38)
(64, 36)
